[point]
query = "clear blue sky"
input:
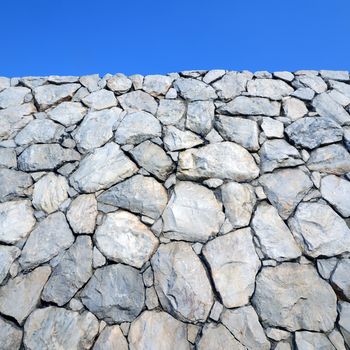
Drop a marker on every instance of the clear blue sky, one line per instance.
(66, 37)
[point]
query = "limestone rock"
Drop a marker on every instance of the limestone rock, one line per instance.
(10, 336)
(272, 128)
(13, 96)
(102, 168)
(123, 238)
(156, 84)
(270, 88)
(192, 214)
(225, 160)
(13, 184)
(100, 99)
(176, 139)
(20, 296)
(293, 108)
(344, 321)
(170, 112)
(194, 90)
(111, 338)
(58, 328)
(8, 158)
(340, 279)
(139, 194)
(119, 83)
(311, 305)
(234, 269)
(181, 282)
(307, 340)
(139, 101)
(67, 113)
(114, 293)
(8, 254)
(311, 81)
(200, 116)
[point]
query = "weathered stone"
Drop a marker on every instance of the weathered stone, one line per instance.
(71, 273)
(251, 106)
(158, 331)
(5, 83)
(58, 328)
(139, 194)
(272, 89)
(13, 96)
(243, 131)
(20, 296)
(176, 139)
(239, 201)
(213, 75)
(344, 321)
(170, 112)
(276, 241)
(234, 269)
(49, 192)
(10, 335)
(194, 90)
(278, 153)
(50, 237)
(119, 83)
(8, 158)
(137, 127)
(340, 279)
(45, 157)
(114, 293)
(293, 108)
(287, 76)
(153, 158)
(16, 220)
(332, 159)
(97, 128)
(272, 128)
(200, 116)
(311, 81)
(192, 214)
(67, 113)
(104, 167)
(310, 306)
(13, 184)
(311, 132)
(337, 339)
(156, 84)
(336, 191)
(311, 340)
(285, 189)
(8, 254)
(325, 267)
(100, 99)
(334, 74)
(91, 82)
(181, 282)
(244, 324)
(111, 338)
(123, 238)
(82, 214)
(138, 100)
(225, 160)
(276, 334)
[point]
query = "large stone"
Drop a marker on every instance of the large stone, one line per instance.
(176, 139)
(336, 191)
(344, 321)
(111, 338)
(13, 96)
(239, 201)
(104, 167)
(278, 153)
(311, 81)
(294, 297)
(67, 113)
(158, 331)
(244, 324)
(137, 127)
(340, 279)
(50, 237)
(114, 293)
(243, 131)
(200, 116)
(8, 157)
(225, 160)
(170, 112)
(13, 184)
(270, 88)
(311, 340)
(153, 158)
(193, 213)
(49, 192)
(119, 83)
(139, 194)
(272, 128)
(20, 296)
(294, 108)
(194, 90)
(122, 237)
(100, 99)
(233, 264)
(45, 157)
(8, 254)
(332, 159)
(58, 328)
(16, 220)
(181, 282)
(343, 88)
(311, 132)
(10, 336)
(156, 84)
(275, 239)
(138, 100)
(285, 189)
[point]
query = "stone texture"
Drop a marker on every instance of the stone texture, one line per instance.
(344, 321)
(119, 83)
(10, 336)
(139, 101)
(307, 340)
(272, 128)
(8, 158)
(156, 84)
(100, 99)
(13, 184)
(272, 89)
(176, 139)
(200, 116)
(67, 113)
(111, 338)
(194, 90)
(340, 279)
(170, 112)
(293, 108)
(13, 96)
(8, 254)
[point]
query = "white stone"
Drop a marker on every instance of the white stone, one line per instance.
(156, 84)
(170, 112)
(294, 108)
(67, 113)
(176, 139)
(272, 128)
(138, 100)
(100, 99)
(200, 116)
(270, 88)
(13, 96)
(194, 90)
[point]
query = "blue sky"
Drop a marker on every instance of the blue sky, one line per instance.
(77, 37)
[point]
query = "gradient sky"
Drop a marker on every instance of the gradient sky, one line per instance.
(77, 37)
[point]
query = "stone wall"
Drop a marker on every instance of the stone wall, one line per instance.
(199, 210)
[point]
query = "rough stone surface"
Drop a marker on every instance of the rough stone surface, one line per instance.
(13, 184)
(305, 340)
(272, 89)
(111, 338)
(8, 255)
(340, 278)
(10, 336)
(200, 116)
(67, 113)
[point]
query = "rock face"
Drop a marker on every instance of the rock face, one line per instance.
(10, 336)
(111, 338)
(13, 184)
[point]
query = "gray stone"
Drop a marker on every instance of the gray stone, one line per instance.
(251, 106)
(194, 90)
(311, 81)
(341, 75)
(138, 100)
(332, 159)
(139, 194)
(123, 238)
(239, 201)
(119, 83)
(137, 127)
(67, 113)
(151, 301)
(111, 338)
(336, 191)
(285, 189)
(13, 96)
(216, 311)
(325, 267)
(170, 112)
(243, 131)
(213, 75)
(244, 324)
(20, 296)
(311, 340)
(16, 220)
(234, 269)
(58, 328)
(156, 84)
(114, 293)
(278, 153)
(158, 331)
(8, 255)
(270, 88)
(337, 340)
(91, 82)
(71, 273)
(276, 334)
(304, 93)
(181, 282)
(225, 160)
(10, 335)
(153, 158)
(5, 83)
(100, 99)
(340, 279)
(102, 168)
(344, 321)
(192, 214)
(45, 157)
(287, 76)
(311, 305)
(14, 184)
(50, 237)
(293, 108)
(200, 116)
(176, 139)
(342, 88)
(8, 158)
(272, 128)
